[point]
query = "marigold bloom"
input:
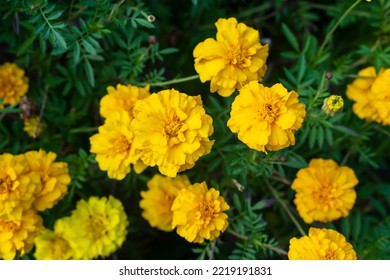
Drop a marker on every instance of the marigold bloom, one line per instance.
(54, 178)
(17, 185)
(321, 244)
(115, 147)
(332, 105)
(234, 59)
(96, 228)
(172, 129)
(324, 191)
(266, 118)
(198, 213)
(13, 84)
(371, 93)
(30, 127)
(122, 98)
(18, 234)
(157, 201)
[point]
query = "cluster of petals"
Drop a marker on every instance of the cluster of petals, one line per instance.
(325, 191)
(29, 183)
(321, 244)
(370, 92)
(13, 84)
(235, 58)
(97, 227)
(266, 118)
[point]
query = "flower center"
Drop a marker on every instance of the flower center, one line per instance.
(238, 57)
(8, 226)
(121, 144)
(329, 255)
(96, 227)
(172, 126)
(325, 194)
(206, 212)
(5, 184)
(267, 111)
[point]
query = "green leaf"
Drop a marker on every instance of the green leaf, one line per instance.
(320, 136)
(290, 37)
(26, 44)
(312, 137)
(59, 40)
(76, 53)
(329, 136)
(88, 47)
(301, 67)
(55, 15)
(89, 71)
(346, 130)
(168, 51)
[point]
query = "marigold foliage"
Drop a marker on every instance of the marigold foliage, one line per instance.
(122, 98)
(173, 130)
(115, 147)
(157, 201)
(321, 244)
(266, 118)
(198, 213)
(96, 228)
(371, 93)
(234, 59)
(13, 84)
(324, 191)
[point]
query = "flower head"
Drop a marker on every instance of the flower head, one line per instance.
(371, 93)
(266, 118)
(321, 244)
(324, 191)
(50, 245)
(333, 104)
(13, 84)
(33, 127)
(172, 129)
(157, 201)
(198, 213)
(115, 147)
(54, 178)
(18, 234)
(96, 228)
(122, 98)
(234, 59)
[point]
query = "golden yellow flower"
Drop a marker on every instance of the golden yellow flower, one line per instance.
(324, 191)
(30, 127)
(96, 228)
(122, 98)
(172, 129)
(321, 244)
(17, 185)
(115, 146)
(18, 234)
(266, 118)
(371, 93)
(332, 105)
(198, 213)
(234, 59)
(13, 84)
(54, 178)
(157, 201)
(51, 245)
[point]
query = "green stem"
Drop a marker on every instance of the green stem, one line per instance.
(330, 33)
(284, 206)
(10, 110)
(174, 81)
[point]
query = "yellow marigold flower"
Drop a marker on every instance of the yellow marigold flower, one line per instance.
(51, 245)
(13, 84)
(18, 234)
(198, 213)
(321, 244)
(371, 93)
(234, 59)
(17, 185)
(157, 201)
(122, 98)
(96, 228)
(54, 178)
(30, 127)
(266, 118)
(333, 104)
(115, 147)
(173, 130)
(324, 191)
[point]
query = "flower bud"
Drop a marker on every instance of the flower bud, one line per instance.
(332, 105)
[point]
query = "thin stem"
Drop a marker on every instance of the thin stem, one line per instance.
(174, 81)
(284, 206)
(320, 90)
(268, 246)
(330, 33)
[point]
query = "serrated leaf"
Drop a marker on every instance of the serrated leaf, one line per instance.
(39, 28)
(89, 71)
(290, 37)
(144, 22)
(88, 47)
(76, 53)
(59, 40)
(55, 15)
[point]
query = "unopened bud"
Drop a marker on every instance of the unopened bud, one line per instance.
(328, 75)
(151, 18)
(332, 105)
(152, 39)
